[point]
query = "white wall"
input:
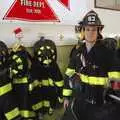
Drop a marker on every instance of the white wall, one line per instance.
(110, 18)
(32, 33)
(52, 30)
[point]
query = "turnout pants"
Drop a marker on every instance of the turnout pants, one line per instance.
(80, 109)
(8, 109)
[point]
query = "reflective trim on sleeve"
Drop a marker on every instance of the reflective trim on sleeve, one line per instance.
(6, 88)
(97, 80)
(84, 78)
(45, 83)
(48, 82)
(114, 75)
(67, 92)
(14, 71)
(27, 113)
(33, 85)
(46, 103)
(70, 72)
(51, 83)
(37, 106)
(12, 114)
(20, 80)
(59, 83)
(92, 80)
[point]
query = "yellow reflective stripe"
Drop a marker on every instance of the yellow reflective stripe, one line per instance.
(30, 87)
(67, 92)
(45, 82)
(50, 82)
(12, 114)
(93, 80)
(48, 47)
(19, 60)
(50, 110)
(61, 100)
(39, 52)
(41, 48)
(97, 80)
(40, 84)
(59, 83)
(27, 114)
(46, 103)
(33, 85)
(70, 72)
(40, 59)
(84, 78)
(20, 67)
(52, 51)
(14, 71)
(14, 57)
(37, 106)
(20, 80)
(53, 56)
(6, 88)
(114, 75)
(47, 61)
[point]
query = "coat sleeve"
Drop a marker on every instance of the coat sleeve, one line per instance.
(70, 71)
(114, 71)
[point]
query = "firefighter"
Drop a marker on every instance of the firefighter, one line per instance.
(19, 65)
(8, 108)
(95, 65)
(74, 79)
(46, 70)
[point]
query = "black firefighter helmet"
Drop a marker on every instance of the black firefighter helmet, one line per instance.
(3, 54)
(92, 19)
(45, 51)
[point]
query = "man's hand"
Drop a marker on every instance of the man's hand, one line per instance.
(66, 103)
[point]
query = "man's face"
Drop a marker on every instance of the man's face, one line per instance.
(19, 35)
(91, 33)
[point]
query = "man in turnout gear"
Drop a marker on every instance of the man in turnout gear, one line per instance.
(114, 90)
(45, 69)
(8, 108)
(74, 80)
(19, 66)
(96, 66)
